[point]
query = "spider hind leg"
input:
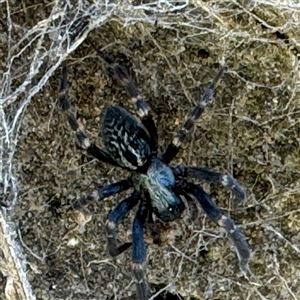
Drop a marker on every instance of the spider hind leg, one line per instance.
(142, 108)
(175, 145)
(78, 129)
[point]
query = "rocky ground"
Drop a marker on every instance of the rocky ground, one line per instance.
(251, 131)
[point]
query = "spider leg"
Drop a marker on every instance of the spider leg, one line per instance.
(227, 181)
(104, 192)
(216, 215)
(79, 132)
(180, 136)
(142, 108)
(139, 251)
(116, 215)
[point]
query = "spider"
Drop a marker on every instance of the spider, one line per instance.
(158, 188)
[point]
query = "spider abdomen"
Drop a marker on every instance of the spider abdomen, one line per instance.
(125, 139)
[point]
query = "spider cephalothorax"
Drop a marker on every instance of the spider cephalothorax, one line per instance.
(158, 188)
(159, 182)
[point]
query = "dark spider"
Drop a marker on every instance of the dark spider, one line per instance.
(157, 187)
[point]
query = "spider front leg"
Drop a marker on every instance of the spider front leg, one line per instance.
(116, 215)
(104, 192)
(142, 108)
(180, 136)
(216, 215)
(138, 243)
(139, 251)
(239, 193)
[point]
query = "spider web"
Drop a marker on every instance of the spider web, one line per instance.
(252, 132)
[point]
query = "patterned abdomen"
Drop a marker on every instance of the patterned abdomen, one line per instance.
(125, 139)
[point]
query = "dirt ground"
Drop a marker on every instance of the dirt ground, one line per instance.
(250, 131)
